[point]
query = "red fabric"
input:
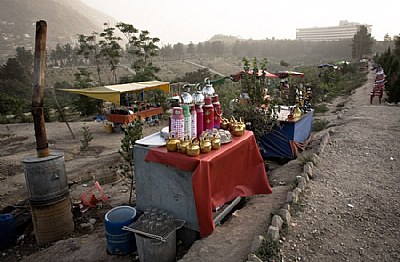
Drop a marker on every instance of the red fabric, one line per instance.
(236, 169)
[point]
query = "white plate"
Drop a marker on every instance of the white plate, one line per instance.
(152, 140)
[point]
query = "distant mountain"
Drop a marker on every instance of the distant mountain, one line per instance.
(65, 19)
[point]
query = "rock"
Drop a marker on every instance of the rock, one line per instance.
(302, 184)
(297, 191)
(287, 207)
(295, 198)
(285, 214)
(307, 168)
(292, 197)
(257, 241)
(316, 159)
(253, 258)
(306, 177)
(273, 233)
(277, 222)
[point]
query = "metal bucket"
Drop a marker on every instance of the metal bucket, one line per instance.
(46, 178)
(52, 222)
(150, 249)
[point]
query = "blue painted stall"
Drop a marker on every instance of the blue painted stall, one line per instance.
(284, 140)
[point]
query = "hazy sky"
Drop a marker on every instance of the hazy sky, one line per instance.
(186, 20)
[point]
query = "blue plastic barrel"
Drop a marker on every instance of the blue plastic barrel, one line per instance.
(7, 230)
(120, 242)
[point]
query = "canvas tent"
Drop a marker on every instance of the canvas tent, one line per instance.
(112, 93)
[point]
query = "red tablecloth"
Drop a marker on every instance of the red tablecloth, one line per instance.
(236, 169)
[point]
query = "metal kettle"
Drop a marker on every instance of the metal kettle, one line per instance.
(208, 90)
(198, 97)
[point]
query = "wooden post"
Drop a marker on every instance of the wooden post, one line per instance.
(39, 67)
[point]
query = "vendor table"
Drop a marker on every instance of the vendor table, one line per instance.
(192, 187)
(284, 140)
(126, 119)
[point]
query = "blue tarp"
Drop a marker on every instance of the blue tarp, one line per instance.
(282, 139)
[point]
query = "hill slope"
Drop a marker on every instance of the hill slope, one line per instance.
(65, 19)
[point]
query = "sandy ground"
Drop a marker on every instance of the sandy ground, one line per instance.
(351, 209)
(101, 162)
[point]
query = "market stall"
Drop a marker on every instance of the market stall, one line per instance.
(193, 187)
(128, 116)
(285, 140)
(112, 93)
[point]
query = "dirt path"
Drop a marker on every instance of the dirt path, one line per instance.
(351, 209)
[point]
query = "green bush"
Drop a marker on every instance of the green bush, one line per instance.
(319, 125)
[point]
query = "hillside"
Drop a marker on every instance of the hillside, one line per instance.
(65, 19)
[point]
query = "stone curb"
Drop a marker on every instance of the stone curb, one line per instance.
(292, 197)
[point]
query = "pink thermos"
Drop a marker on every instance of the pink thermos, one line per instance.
(177, 122)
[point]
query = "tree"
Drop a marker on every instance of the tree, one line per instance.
(85, 105)
(25, 59)
(362, 43)
(387, 38)
(191, 50)
(142, 49)
(178, 50)
(89, 48)
(110, 48)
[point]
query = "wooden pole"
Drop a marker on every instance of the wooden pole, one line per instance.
(39, 67)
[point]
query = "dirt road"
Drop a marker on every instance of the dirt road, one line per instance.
(351, 208)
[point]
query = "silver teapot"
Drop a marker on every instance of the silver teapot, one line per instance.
(208, 90)
(198, 97)
(186, 97)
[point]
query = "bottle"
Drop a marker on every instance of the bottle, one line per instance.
(199, 119)
(177, 122)
(193, 120)
(208, 118)
(187, 121)
(217, 111)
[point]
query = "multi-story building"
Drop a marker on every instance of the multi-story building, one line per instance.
(345, 30)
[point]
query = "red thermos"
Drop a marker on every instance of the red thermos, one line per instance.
(208, 114)
(199, 120)
(217, 111)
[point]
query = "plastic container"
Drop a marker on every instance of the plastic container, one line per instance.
(7, 230)
(120, 242)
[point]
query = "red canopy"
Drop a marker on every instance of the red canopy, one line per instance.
(238, 75)
(284, 74)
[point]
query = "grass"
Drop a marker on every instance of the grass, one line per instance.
(321, 108)
(319, 125)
